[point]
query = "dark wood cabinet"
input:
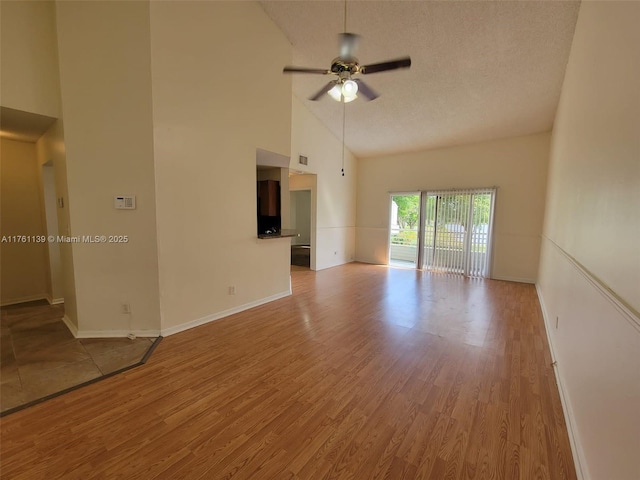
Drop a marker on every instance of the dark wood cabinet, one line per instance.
(269, 198)
(269, 221)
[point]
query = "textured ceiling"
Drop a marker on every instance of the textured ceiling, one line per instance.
(481, 70)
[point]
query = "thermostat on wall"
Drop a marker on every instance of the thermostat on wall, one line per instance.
(125, 202)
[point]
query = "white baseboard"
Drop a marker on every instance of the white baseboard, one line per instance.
(370, 261)
(106, 333)
(576, 449)
(72, 328)
(54, 301)
(515, 279)
(29, 298)
(225, 313)
(116, 333)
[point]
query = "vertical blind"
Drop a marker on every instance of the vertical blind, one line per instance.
(456, 228)
(454, 231)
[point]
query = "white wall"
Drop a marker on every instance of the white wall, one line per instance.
(51, 221)
(517, 166)
(285, 207)
(24, 263)
(30, 81)
(590, 262)
(50, 147)
(335, 195)
(207, 126)
(29, 78)
(105, 70)
(301, 216)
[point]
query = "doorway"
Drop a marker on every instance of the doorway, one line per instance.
(444, 231)
(403, 240)
(300, 221)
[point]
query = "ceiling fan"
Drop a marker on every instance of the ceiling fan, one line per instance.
(344, 88)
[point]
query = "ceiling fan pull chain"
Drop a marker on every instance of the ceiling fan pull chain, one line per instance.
(344, 118)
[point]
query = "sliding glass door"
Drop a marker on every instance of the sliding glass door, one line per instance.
(453, 233)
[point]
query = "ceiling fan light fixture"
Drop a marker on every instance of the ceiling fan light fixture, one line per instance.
(336, 92)
(349, 88)
(350, 98)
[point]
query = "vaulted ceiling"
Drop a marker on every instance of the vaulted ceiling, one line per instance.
(481, 69)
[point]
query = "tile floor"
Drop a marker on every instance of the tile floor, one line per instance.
(301, 255)
(39, 356)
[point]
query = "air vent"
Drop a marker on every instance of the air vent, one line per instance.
(302, 160)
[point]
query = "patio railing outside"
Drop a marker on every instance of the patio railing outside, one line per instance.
(404, 246)
(448, 254)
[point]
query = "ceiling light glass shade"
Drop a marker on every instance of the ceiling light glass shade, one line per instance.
(336, 92)
(339, 95)
(349, 88)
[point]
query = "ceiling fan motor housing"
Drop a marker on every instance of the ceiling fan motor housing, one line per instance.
(349, 65)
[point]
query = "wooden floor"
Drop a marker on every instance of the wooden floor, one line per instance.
(365, 372)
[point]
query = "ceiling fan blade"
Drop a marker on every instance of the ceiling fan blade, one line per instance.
(320, 71)
(384, 66)
(322, 91)
(348, 45)
(366, 90)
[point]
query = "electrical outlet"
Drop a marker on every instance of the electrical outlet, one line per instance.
(557, 321)
(232, 290)
(126, 308)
